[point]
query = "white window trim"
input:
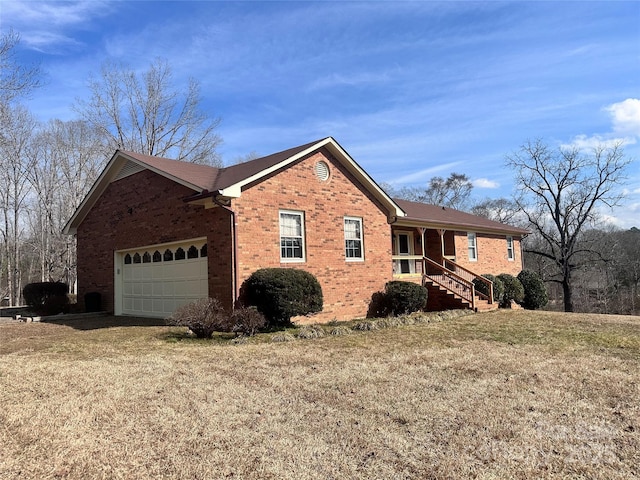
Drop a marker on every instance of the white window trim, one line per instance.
(472, 245)
(302, 230)
(511, 253)
(361, 240)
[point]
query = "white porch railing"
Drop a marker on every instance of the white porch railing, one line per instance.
(408, 265)
(450, 275)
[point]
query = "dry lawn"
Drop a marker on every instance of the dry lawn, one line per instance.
(490, 396)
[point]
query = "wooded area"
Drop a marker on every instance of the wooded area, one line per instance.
(46, 169)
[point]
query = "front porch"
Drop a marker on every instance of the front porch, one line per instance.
(428, 256)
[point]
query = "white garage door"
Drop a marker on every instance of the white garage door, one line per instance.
(156, 280)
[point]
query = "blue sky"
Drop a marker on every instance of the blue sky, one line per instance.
(409, 89)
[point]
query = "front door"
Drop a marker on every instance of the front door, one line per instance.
(404, 246)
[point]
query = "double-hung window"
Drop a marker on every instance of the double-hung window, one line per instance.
(353, 239)
(473, 246)
(291, 236)
(510, 252)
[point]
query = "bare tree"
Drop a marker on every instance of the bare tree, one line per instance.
(17, 130)
(16, 80)
(453, 192)
(501, 210)
(16, 126)
(145, 114)
(66, 159)
(252, 155)
(562, 193)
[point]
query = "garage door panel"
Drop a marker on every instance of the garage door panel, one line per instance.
(157, 305)
(147, 305)
(158, 288)
(167, 288)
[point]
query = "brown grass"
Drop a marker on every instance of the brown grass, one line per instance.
(489, 396)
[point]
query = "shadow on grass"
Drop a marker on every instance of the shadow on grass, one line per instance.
(176, 336)
(107, 321)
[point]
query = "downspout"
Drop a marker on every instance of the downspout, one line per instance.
(234, 229)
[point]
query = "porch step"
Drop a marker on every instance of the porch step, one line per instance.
(441, 297)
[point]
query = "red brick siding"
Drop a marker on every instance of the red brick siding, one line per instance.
(145, 209)
(347, 286)
(491, 252)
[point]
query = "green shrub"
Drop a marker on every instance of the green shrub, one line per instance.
(535, 293)
(247, 321)
(55, 305)
(48, 298)
(512, 290)
(498, 286)
(378, 306)
(282, 293)
(202, 317)
(404, 297)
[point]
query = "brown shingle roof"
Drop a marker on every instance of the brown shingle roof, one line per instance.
(200, 176)
(236, 173)
(210, 178)
(435, 215)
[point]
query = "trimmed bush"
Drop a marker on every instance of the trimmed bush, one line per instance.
(49, 298)
(512, 290)
(535, 293)
(404, 297)
(282, 293)
(55, 305)
(247, 321)
(498, 286)
(202, 317)
(378, 306)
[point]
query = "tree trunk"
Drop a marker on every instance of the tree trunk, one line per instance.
(567, 293)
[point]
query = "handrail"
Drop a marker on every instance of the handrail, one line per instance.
(474, 276)
(465, 284)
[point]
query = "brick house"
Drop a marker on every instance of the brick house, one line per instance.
(155, 233)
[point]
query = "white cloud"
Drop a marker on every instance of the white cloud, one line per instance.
(43, 24)
(485, 183)
(422, 175)
(584, 142)
(338, 80)
(626, 117)
(625, 120)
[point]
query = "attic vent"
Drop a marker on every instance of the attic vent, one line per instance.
(322, 171)
(128, 169)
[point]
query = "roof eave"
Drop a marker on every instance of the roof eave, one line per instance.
(418, 222)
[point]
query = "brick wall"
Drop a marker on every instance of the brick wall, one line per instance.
(347, 286)
(145, 209)
(491, 252)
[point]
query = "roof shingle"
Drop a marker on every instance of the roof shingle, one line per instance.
(443, 216)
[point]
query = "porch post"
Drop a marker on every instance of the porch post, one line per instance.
(441, 233)
(424, 251)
